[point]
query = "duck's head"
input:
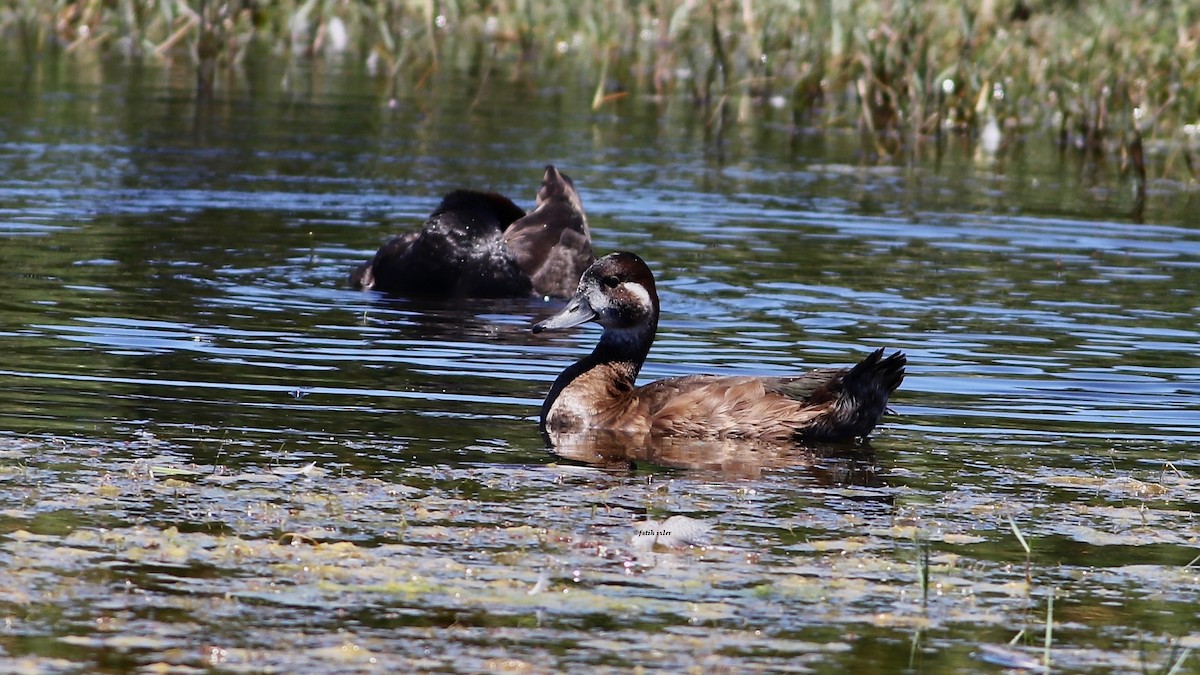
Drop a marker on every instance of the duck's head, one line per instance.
(617, 292)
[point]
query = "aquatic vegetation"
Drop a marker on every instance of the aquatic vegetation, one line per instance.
(1102, 78)
(177, 565)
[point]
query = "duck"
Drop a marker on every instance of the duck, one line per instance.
(481, 244)
(599, 392)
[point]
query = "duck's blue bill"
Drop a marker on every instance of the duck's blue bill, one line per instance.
(577, 312)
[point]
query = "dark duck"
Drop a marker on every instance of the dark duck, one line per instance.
(599, 393)
(481, 244)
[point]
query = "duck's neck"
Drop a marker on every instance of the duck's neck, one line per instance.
(610, 369)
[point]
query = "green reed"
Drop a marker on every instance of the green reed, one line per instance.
(1106, 78)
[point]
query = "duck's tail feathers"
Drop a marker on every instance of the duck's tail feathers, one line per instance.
(860, 399)
(875, 374)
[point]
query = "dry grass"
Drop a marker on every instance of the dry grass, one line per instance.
(1100, 77)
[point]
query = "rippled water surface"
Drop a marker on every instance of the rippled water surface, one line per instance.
(214, 453)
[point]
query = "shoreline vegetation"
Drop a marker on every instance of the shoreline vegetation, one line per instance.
(1109, 80)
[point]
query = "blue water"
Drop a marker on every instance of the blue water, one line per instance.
(174, 279)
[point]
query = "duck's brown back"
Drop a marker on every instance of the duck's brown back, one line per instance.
(552, 244)
(716, 406)
(822, 404)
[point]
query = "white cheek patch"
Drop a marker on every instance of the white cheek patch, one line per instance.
(630, 295)
(639, 291)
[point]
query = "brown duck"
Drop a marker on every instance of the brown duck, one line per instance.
(599, 392)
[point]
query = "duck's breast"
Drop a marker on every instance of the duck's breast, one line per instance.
(598, 398)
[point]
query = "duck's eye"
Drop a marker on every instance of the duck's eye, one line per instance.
(611, 282)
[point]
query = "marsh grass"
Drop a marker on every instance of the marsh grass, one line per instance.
(1106, 79)
(1177, 664)
(923, 570)
(1049, 639)
(1012, 524)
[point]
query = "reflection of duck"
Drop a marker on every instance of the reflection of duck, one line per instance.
(829, 464)
(598, 392)
(480, 244)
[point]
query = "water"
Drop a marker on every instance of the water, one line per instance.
(370, 489)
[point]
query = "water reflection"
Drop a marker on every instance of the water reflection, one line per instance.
(829, 464)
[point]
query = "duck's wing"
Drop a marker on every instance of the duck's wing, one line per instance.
(825, 404)
(815, 386)
(711, 406)
(552, 244)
